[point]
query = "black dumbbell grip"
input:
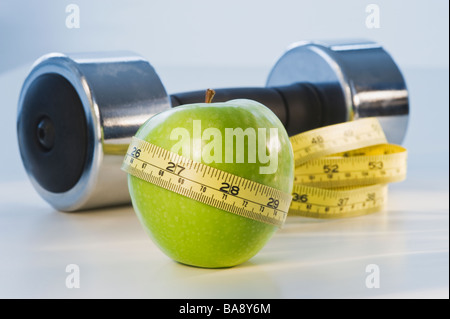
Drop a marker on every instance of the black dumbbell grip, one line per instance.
(298, 106)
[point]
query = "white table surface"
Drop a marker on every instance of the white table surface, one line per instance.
(308, 258)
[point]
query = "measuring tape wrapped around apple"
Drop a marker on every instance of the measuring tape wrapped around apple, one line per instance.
(204, 212)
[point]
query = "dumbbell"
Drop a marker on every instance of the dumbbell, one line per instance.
(77, 113)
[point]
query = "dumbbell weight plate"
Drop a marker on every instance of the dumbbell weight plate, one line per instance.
(355, 79)
(76, 117)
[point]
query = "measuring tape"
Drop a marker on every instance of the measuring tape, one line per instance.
(341, 171)
(206, 184)
(335, 166)
(378, 164)
(327, 203)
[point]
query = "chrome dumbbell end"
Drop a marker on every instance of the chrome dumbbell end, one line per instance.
(355, 79)
(76, 116)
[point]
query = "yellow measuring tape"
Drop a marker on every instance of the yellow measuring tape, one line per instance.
(206, 184)
(341, 170)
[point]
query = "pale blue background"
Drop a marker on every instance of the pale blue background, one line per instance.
(224, 33)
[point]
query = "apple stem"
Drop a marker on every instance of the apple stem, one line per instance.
(209, 95)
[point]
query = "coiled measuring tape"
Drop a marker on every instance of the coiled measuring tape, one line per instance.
(342, 170)
(332, 163)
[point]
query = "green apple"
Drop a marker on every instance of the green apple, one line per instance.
(194, 233)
